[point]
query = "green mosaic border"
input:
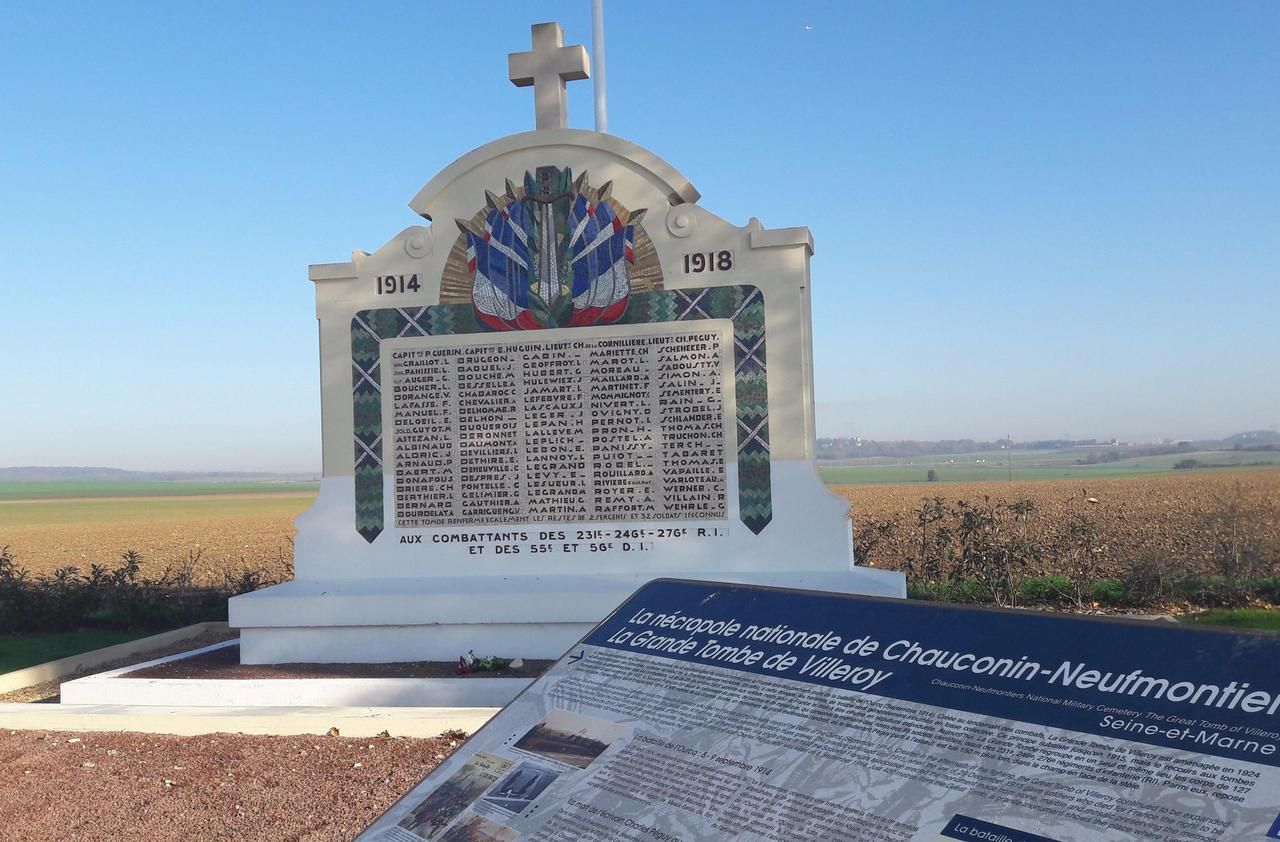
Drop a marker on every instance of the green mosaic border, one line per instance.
(744, 305)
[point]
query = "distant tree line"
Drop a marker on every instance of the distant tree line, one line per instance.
(1099, 457)
(854, 448)
(1192, 464)
(1108, 451)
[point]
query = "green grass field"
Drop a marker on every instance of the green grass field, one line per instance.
(994, 466)
(19, 651)
(1215, 458)
(72, 490)
(116, 510)
(1238, 618)
(1024, 465)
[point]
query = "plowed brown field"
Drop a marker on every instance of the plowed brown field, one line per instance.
(1140, 517)
(226, 533)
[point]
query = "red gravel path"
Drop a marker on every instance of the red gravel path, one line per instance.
(111, 786)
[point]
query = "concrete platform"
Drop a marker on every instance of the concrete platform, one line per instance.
(438, 619)
(109, 688)
(279, 721)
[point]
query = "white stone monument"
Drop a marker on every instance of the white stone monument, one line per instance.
(573, 381)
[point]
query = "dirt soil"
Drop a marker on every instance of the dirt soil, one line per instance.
(106, 786)
(225, 664)
(213, 535)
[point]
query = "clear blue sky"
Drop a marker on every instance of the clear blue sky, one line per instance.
(1031, 218)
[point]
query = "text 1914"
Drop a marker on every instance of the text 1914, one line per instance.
(391, 284)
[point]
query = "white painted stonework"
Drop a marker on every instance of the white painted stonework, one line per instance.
(532, 589)
(113, 688)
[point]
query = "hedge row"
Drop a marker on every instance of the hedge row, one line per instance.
(120, 597)
(1055, 591)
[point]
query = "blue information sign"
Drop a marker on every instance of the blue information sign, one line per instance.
(702, 710)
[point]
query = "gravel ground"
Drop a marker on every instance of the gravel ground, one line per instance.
(119, 786)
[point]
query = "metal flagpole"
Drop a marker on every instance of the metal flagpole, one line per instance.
(597, 65)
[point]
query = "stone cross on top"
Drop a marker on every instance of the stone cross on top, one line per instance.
(547, 68)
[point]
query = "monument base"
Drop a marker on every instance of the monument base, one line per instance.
(389, 620)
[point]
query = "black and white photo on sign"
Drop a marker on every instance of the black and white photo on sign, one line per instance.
(476, 828)
(570, 738)
(520, 787)
(447, 801)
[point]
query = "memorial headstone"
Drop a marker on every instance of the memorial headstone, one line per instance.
(701, 711)
(573, 381)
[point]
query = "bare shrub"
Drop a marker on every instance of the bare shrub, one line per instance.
(994, 548)
(119, 597)
(1233, 531)
(868, 536)
(1076, 553)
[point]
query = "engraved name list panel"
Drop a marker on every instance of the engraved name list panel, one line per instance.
(580, 425)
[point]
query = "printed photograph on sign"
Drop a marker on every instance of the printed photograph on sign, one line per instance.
(520, 787)
(570, 738)
(476, 828)
(433, 814)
